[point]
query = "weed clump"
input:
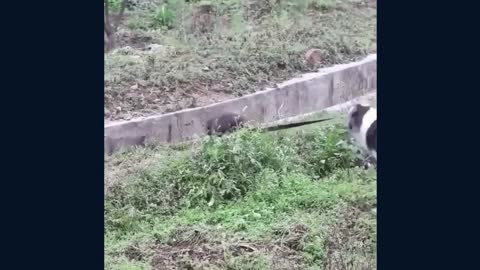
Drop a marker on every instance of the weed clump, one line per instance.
(227, 169)
(326, 151)
(219, 170)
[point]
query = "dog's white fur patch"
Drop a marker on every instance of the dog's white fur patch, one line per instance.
(361, 136)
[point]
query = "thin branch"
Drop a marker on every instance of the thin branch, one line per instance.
(107, 27)
(120, 14)
(107, 13)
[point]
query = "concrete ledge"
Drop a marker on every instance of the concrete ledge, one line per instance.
(333, 111)
(309, 93)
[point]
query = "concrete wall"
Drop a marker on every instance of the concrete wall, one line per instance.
(309, 93)
(337, 110)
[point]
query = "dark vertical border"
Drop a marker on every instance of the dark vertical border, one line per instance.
(428, 110)
(52, 103)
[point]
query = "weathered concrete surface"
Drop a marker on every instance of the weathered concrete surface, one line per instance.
(369, 98)
(309, 93)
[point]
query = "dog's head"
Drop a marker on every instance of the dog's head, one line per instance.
(356, 115)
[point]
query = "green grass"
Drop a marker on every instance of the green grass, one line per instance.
(249, 200)
(243, 49)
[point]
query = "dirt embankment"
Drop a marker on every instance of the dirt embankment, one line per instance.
(232, 53)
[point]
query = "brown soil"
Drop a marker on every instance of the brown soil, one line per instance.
(200, 256)
(192, 249)
(349, 236)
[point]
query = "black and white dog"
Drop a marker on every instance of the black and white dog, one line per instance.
(362, 125)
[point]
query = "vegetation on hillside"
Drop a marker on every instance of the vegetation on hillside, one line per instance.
(249, 200)
(176, 54)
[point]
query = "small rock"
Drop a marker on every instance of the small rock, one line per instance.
(313, 57)
(155, 48)
(134, 87)
(256, 215)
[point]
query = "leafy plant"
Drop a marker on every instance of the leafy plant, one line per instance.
(114, 5)
(328, 150)
(163, 16)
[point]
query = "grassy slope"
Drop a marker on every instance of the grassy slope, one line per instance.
(246, 49)
(246, 201)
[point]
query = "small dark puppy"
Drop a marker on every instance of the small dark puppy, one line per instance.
(225, 123)
(362, 125)
(112, 145)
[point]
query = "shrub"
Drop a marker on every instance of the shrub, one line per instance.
(163, 16)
